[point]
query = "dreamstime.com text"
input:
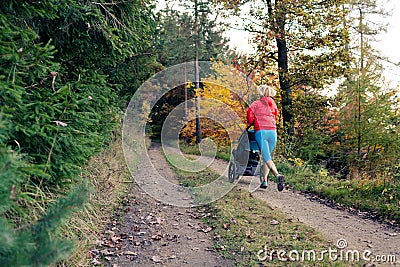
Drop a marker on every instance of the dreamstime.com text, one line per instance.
(339, 253)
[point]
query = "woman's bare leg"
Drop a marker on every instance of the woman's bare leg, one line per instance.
(265, 171)
(272, 167)
(274, 171)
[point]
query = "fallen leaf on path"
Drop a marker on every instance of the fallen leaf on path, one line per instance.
(106, 252)
(174, 238)
(274, 222)
(248, 233)
(157, 236)
(221, 248)
(95, 262)
(115, 239)
(123, 235)
(208, 229)
(111, 233)
(157, 259)
(130, 253)
(108, 244)
(94, 252)
(207, 215)
(296, 237)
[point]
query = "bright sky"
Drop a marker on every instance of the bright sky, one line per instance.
(388, 43)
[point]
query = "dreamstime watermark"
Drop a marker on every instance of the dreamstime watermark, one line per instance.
(339, 253)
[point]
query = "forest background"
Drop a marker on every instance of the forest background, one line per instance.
(68, 70)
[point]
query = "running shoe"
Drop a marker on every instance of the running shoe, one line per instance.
(264, 184)
(281, 180)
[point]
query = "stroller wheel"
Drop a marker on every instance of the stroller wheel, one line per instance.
(232, 172)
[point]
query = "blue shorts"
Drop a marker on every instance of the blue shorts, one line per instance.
(266, 140)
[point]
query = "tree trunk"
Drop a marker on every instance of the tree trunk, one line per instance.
(196, 67)
(283, 69)
(360, 84)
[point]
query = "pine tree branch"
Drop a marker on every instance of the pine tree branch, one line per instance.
(114, 17)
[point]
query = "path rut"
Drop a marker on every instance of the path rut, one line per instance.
(151, 233)
(361, 234)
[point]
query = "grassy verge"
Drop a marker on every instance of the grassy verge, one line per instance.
(107, 174)
(222, 152)
(245, 227)
(379, 197)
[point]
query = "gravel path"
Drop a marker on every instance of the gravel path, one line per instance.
(334, 223)
(150, 233)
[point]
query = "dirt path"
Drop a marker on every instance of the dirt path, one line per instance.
(149, 233)
(359, 233)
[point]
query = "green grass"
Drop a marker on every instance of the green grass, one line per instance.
(222, 152)
(242, 228)
(381, 198)
(199, 185)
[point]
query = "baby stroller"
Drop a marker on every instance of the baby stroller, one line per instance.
(246, 158)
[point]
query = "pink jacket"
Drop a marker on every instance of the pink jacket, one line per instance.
(262, 114)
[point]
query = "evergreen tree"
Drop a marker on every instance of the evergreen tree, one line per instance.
(177, 35)
(176, 44)
(59, 99)
(368, 120)
(59, 82)
(34, 243)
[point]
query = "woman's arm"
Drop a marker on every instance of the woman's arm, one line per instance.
(275, 110)
(250, 117)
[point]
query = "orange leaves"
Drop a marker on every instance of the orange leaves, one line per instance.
(222, 105)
